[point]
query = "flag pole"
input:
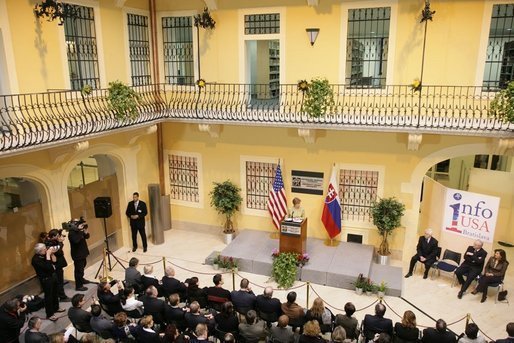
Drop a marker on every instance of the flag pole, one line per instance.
(330, 242)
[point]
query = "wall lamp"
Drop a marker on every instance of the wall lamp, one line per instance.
(313, 34)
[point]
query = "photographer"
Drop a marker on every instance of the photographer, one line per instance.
(55, 239)
(12, 318)
(79, 251)
(43, 263)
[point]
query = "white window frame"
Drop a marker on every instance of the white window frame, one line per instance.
(136, 11)
(262, 159)
(198, 156)
(95, 4)
(380, 189)
(351, 5)
(160, 46)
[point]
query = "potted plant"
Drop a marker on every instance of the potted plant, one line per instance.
(368, 287)
(387, 214)
(226, 199)
(123, 100)
(318, 97)
(381, 289)
(284, 269)
(55, 10)
(502, 106)
(359, 284)
(216, 262)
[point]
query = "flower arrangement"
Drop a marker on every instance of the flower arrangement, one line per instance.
(303, 85)
(285, 266)
(301, 259)
(360, 282)
(228, 262)
(204, 20)
(86, 90)
(201, 83)
(319, 98)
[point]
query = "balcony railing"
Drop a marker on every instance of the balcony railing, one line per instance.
(30, 120)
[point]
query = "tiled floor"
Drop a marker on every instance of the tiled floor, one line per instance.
(187, 251)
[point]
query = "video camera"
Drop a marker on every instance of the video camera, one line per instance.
(75, 224)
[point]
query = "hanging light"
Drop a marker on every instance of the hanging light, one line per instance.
(313, 34)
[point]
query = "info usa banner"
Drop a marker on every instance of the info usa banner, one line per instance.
(471, 215)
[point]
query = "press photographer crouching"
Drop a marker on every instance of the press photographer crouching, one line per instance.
(43, 263)
(77, 234)
(55, 239)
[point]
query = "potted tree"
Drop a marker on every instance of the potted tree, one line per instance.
(387, 214)
(226, 199)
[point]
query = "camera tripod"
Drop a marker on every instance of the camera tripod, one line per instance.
(108, 253)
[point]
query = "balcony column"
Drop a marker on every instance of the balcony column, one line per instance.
(308, 135)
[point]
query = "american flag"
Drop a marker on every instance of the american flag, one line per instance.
(277, 204)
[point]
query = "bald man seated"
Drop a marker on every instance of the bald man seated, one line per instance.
(426, 253)
(474, 259)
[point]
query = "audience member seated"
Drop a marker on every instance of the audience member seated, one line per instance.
(154, 307)
(193, 317)
(294, 311)
(439, 334)
(130, 304)
(175, 314)
(121, 330)
(229, 338)
(195, 293)
(383, 338)
(80, 318)
(133, 276)
(426, 253)
(110, 302)
(406, 331)
(12, 319)
(471, 335)
(339, 336)
(321, 314)
(226, 320)
(150, 280)
(265, 303)
(494, 272)
(474, 259)
(244, 299)
(32, 335)
(510, 332)
(311, 333)
(347, 322)
(171, 285)
(217, 295)
(282, 333)
(201, 334)
(101, 325)
(374, 324)
(172, 335)
(145, 332)
(253, 330)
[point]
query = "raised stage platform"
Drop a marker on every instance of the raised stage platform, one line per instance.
(331, 266)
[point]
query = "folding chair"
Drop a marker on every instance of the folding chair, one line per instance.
(448, 264)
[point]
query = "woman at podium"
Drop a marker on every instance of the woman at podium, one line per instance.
(296, 212)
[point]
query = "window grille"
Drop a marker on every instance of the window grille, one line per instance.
(184, 178)
(177, 33)
(139, 49)
(259, 181)
(357, 192)
(81, 50)
(258, 24)
(367, 46)
(499, 64)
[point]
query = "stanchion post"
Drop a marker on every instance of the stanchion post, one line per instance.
(308, 291)
(233, 280)
(164, 264)
(468, 317)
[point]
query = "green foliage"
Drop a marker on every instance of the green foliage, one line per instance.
(502, 106)
(387, 214)
(55, 10)
(123, 100)
(226, 199)
(284, 269)
(360, 282)
(382, 287)
(204, 20)
(86, 90)
(319, 98)
(368, 286)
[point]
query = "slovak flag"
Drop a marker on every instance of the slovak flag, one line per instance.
(331, 217)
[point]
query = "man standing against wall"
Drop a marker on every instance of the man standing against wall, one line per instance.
(136, 211)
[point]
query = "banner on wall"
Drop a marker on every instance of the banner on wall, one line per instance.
(471, 215)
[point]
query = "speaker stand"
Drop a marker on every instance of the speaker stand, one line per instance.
(109, 254)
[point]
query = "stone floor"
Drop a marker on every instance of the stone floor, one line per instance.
(187, 251)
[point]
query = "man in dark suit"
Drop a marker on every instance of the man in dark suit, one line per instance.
(472, 266)
(148, 280)
(174, 314)
(193, 317)
(217, 295)
(170, 285)
(32, 335)
(136, 211)
(155, 307)
(79, 318)
(79, 251)
(109, 300)
(12, 319)
(426, 253)
(265, 303)
(244, 299)
(133, 276)
(439, 334)
(377, 323)
(510, 332)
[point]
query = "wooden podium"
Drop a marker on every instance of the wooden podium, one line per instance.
(293, 236)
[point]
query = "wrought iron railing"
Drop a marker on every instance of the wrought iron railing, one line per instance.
(30, 120)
